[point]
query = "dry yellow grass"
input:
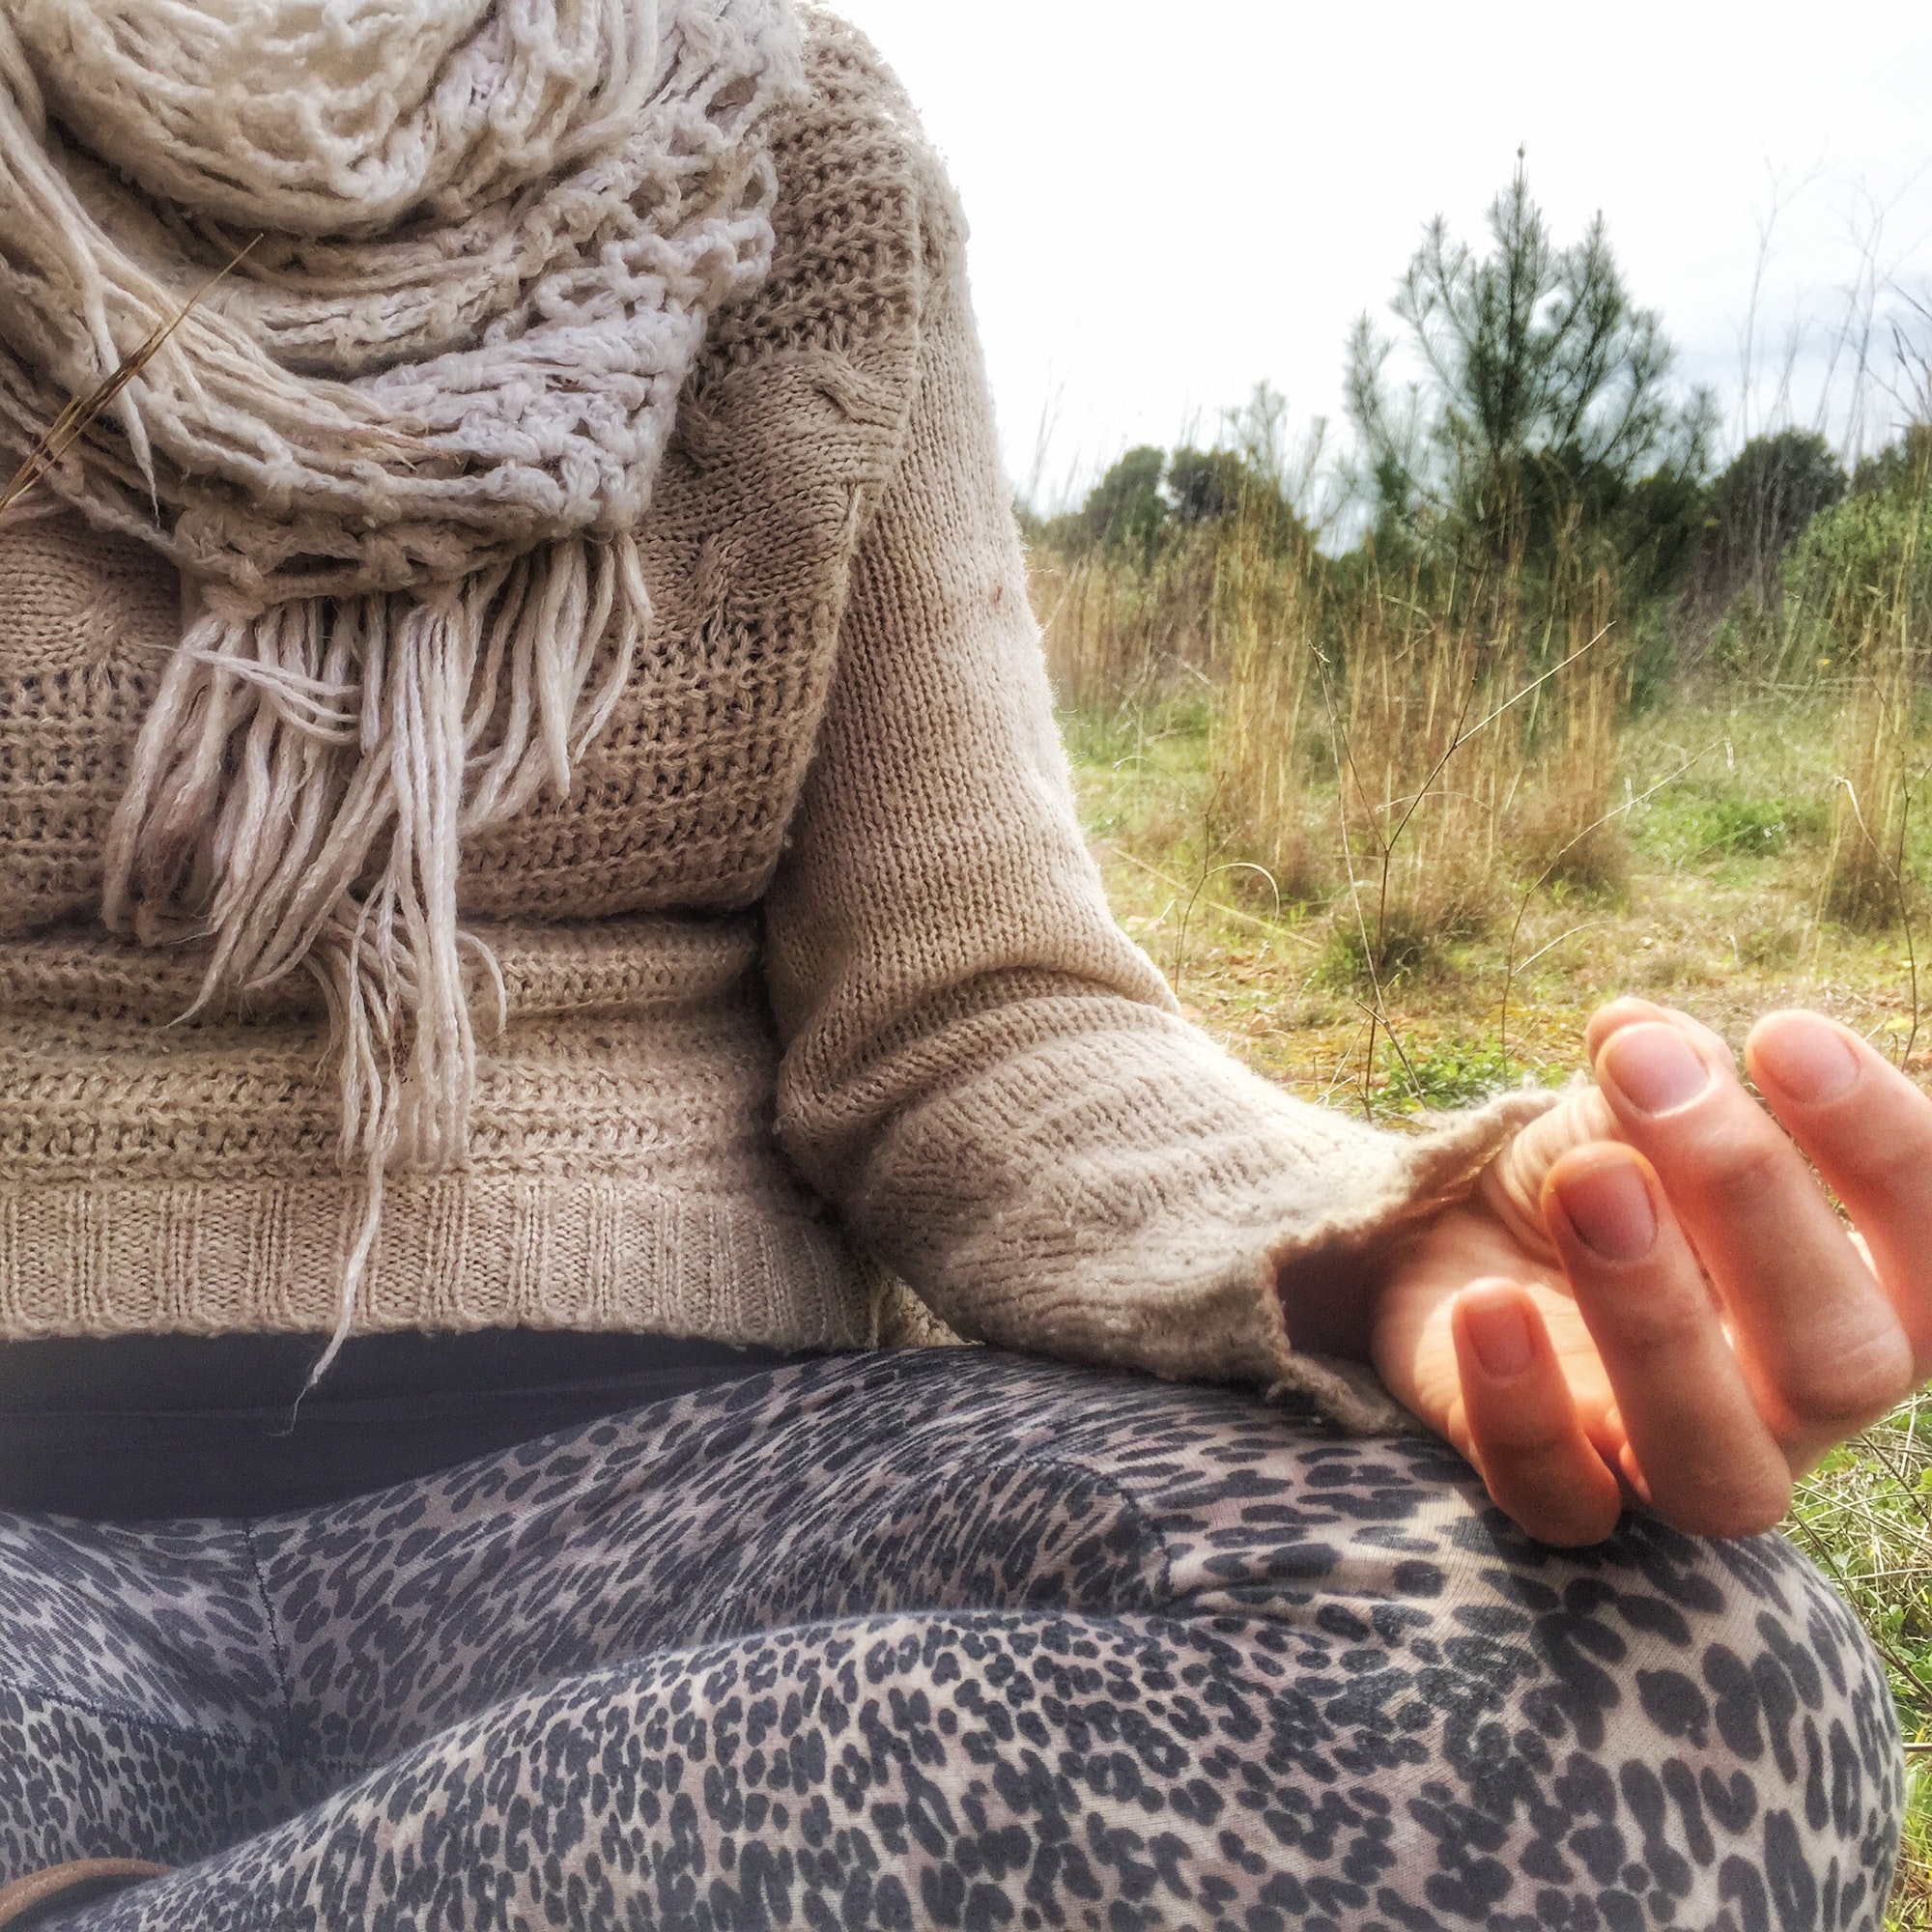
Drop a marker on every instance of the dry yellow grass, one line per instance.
(1719, 909)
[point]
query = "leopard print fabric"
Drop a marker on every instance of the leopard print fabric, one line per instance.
(941, 1638)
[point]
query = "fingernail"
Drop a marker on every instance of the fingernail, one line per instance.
(1655, 1068)
(1808, 1058)
(1499, 1332)
(1609, 1208)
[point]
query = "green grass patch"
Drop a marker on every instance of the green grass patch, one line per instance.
(1866, 1516)
(1459, 1073)
(1689, 824)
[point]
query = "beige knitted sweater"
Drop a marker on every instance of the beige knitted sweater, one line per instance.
(813, 992)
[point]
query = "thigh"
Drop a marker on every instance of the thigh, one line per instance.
(140, 1707)
(852, 1486)
(927, 1771)
(990, 1769)
(1656, 1731)
(1464, 1725)
(1380, 1690)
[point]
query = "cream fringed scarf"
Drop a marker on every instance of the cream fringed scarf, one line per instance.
(402, 448)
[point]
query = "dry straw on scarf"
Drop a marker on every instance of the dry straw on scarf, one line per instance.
(401, 452)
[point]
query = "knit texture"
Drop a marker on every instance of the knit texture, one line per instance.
(403, 445)
(809, 981)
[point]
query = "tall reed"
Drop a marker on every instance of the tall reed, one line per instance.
(1267, 617)
(1864, 872)
(1120, 630)
(1561, 812)
(1876, 622)
(1421, 776)
(1399, 746)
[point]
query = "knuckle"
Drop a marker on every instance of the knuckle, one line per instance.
(1523, 1433)
(1653, 1331)
(1749, 1508)
(1837, 1388)
(1740, 1170)
(1893, 1167)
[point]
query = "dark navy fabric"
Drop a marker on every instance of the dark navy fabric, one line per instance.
(127, 1427)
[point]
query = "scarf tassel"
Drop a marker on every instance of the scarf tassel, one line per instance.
(302, 788)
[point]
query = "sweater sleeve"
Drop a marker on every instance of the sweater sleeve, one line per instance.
(981, 1071)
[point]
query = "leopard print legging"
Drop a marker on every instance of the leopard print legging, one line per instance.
(941, 1638)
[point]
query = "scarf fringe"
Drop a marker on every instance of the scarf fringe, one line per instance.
(301, 791)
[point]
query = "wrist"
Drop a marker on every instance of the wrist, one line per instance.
(1327, 1300)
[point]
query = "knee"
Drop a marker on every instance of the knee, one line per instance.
(1660, 1730)
(1715, 1716)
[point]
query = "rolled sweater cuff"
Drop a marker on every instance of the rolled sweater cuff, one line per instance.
(1134, 1195)
(1426, 1172)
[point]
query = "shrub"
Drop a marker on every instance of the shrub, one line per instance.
(1126, 511)
(1861, 572)
(1769, 492)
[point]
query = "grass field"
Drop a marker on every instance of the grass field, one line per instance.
(1725, 815)
(1719, 910)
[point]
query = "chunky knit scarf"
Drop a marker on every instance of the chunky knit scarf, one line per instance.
(401, 450)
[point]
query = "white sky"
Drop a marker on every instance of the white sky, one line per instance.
(1172, 201)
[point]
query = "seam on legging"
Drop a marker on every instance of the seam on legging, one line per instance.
(1179, 1603)
(283, 1678)
(142, 1719)
(1143, 1524)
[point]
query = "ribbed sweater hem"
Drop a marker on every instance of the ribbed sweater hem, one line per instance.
(457, 1253)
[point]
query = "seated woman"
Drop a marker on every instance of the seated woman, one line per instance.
(536, 666)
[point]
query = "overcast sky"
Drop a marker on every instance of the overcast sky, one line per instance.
(1171, 202)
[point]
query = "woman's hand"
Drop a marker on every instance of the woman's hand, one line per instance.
(1701, 1326)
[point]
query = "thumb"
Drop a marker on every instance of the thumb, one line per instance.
(1512, 1184)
